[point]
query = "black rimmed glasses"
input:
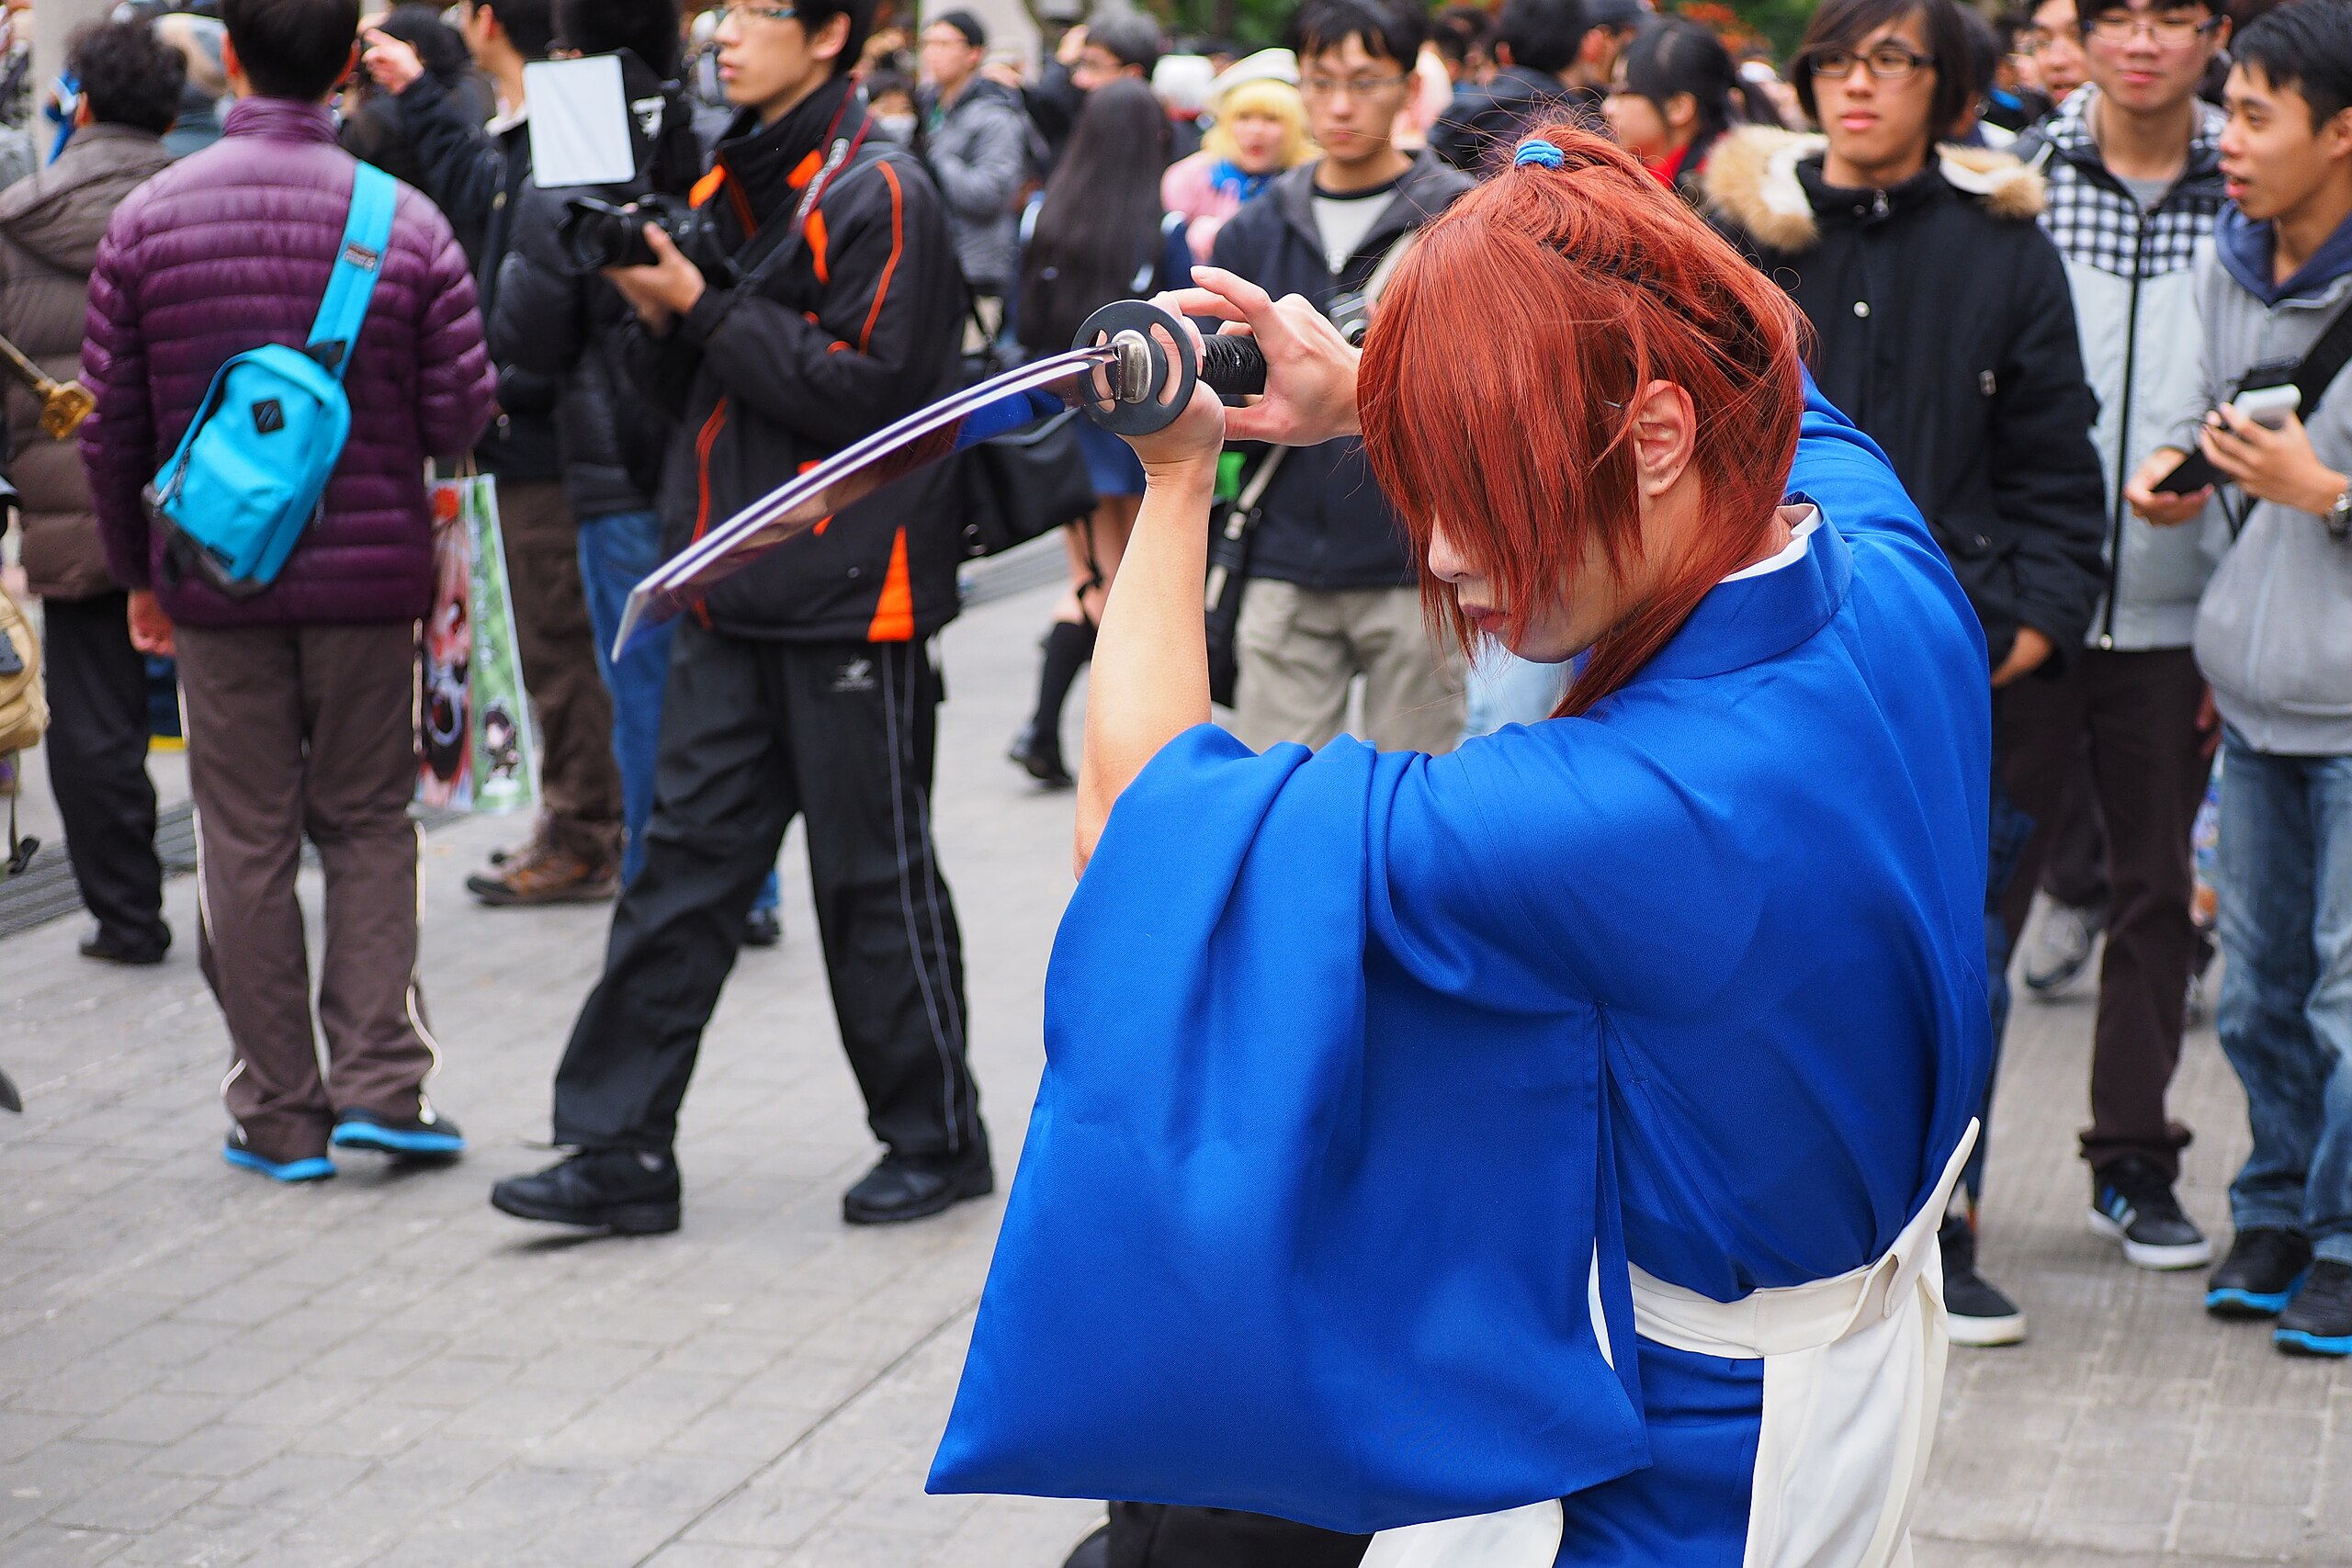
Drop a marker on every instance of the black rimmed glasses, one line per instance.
(1887, 62)
(2173, 29)
(742, 11)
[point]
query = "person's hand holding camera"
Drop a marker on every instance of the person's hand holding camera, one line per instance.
(2162, 508)
(664, 291)
(391, 62)
(2270, 464)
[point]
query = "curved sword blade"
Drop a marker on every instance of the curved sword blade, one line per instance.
(996, 407)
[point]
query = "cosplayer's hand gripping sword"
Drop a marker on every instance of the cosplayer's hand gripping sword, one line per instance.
(1133, 373)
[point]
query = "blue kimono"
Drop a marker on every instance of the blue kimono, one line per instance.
(1371, 1078)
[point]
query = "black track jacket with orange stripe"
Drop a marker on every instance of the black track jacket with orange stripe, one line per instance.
(860, 328)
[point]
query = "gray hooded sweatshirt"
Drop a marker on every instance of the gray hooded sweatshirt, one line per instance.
(2274, 629)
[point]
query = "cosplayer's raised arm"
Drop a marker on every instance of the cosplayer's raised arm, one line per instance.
(1523, 1132)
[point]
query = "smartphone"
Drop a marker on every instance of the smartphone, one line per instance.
(2269, 406)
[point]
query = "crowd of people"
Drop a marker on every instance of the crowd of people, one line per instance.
(2044, 263)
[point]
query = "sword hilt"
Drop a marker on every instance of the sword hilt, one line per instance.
(1148, 385)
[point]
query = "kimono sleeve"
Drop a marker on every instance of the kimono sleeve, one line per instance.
(1313, 1219)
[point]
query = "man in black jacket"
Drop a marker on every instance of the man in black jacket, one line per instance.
(803, 684)
(1555, 56)
(1942, 326)
(1333, 593)
(574, 850)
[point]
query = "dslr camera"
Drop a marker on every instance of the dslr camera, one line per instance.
(598, 234)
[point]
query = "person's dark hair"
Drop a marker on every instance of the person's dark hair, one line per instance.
(1099, 220)
(1459, 31)
(129, 75)
(881, 83)
(440, 47)
(2009, 24)
(1128, 37)
(292, 49)
(964, 22)
(815, 15)
(647, 28)
(1984, 50)
(1675, 55)
(1389, 29)
(1544, 35)
(529, 25)
(1844, 24)
(2304, 48)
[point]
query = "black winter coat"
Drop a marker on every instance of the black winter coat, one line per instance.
(548, 319)
(1942, 326)
(475, 180)
(861, 327)
(1326, 524)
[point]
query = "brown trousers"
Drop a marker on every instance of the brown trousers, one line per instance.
(580, 784)
(294, 730)
(2148, 768)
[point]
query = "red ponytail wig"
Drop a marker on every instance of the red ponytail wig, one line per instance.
(1497, 385)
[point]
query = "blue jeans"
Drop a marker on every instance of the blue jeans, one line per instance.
(618, 551)
(2285, 1016)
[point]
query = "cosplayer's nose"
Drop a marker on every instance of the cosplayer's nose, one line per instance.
(1447, 562)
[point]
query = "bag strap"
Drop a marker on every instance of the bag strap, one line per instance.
(2324, 363)
(366, 232)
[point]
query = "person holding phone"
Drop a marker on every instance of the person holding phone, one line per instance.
(2274, 636)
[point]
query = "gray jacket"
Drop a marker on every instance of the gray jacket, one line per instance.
(977, 150)
(2274, 630)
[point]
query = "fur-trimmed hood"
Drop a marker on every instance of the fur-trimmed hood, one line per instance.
(1752, 181)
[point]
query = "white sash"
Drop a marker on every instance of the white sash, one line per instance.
(1853, 1373)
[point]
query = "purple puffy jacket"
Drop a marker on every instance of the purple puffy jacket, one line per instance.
(229, 249)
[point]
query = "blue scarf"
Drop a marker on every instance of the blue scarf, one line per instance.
(1229, 180)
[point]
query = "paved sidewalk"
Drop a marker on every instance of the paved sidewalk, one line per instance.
(197, 1369)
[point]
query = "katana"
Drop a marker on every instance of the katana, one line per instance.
(1133, 373)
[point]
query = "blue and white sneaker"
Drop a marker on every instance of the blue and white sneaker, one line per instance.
(2260, 1275)
(316, 1168)
(2318, 1322)
(431, 1137)
(2133, 1204)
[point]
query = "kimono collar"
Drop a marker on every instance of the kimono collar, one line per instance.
(1747, 620)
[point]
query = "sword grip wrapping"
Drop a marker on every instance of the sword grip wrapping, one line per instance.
(1233, 365)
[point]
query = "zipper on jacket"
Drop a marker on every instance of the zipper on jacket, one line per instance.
(2115, 507)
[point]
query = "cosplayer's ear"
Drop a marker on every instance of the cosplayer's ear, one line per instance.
(1665, 433)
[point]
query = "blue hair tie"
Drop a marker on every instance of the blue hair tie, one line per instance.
(1535, 150)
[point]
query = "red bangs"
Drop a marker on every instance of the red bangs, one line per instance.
(1496, 382)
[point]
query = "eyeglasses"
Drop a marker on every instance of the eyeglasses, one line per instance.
(1888, 62)
(2171, 31)
(742, 11)
(1354, 86)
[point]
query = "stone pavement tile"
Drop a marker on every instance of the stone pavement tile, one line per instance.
(2108, 1439)
(154, 1418)
(840, 1547)
(373, 1428)
(61, 1471)
(292, 1482)
(133, 1501)
(1034, 1532)
(450, 1383)
(706, 1554)
(48, 1546)
(206, 1536)
(90, 1388)
(765, 1516)
(2253, 1531)
(519, 1415)
(2127, 1511)
(223, 1450)
(2270, 1475)
(23, 1431)
(300, 1400)
(1957, 1511)
(681, 1487)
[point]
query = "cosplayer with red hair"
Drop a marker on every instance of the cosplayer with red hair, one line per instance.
(1531, 1153)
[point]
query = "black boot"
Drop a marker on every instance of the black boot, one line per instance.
(1038, 747)
(621, 1190)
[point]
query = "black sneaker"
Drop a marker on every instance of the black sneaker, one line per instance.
(429, 1138)
(903, 1187)
(1039, 754)
(1977, 1312)
(763, 928)
(619, 1190)
(2259, 1276)
(2318, 1322)
(2132, 1203)
(115, 947)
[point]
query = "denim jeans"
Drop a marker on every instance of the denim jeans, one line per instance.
(2285, 1016)
(617, 552)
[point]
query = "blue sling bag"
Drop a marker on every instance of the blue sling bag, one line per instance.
(247, 477)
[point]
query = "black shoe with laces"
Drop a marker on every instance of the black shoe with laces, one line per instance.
(2318, 1322)
(763, 928)
(906, 1187)
(2259, 1276)
(1976, 1313)
(1039, 754)
(619, 1190)
(2133, 1204)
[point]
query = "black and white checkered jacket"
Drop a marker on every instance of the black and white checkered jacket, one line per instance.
(2133, 272)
